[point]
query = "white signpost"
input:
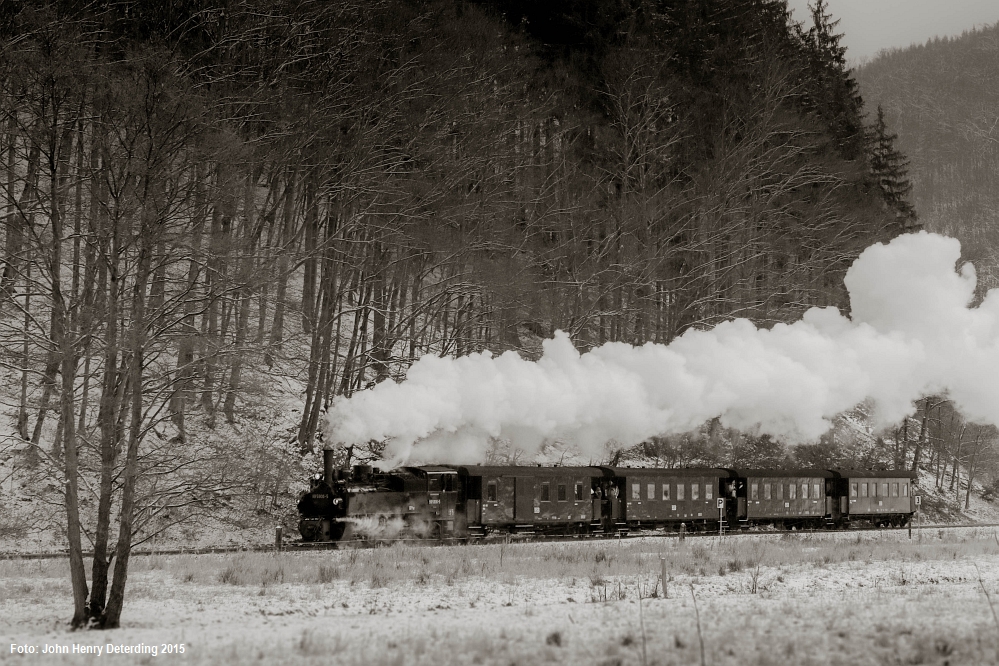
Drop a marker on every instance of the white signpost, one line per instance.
(917, 499)
(721, 508)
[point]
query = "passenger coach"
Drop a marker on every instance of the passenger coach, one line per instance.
(664, 497)
(535, 499)
(882, 497)
(788, 498)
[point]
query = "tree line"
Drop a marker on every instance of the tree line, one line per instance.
(203, 199)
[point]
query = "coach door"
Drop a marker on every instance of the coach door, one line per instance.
(435, 496)
(449, 499)
(597, 499)
(524, 495)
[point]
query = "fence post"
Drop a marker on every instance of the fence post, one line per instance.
(683, 531)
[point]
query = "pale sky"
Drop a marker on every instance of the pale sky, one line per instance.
(868, 26)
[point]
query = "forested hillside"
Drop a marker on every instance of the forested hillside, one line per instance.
(217, 211)
(941, 98)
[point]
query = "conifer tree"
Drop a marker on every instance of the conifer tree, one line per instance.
(835, 96)
(888, 170)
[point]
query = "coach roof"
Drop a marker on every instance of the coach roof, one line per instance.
(659, 471)
(784, 473)
(527, 470)
(874, 474)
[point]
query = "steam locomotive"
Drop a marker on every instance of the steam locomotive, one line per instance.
(464, 502)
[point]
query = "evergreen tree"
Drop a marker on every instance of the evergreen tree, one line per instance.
(834, 92)
(888, 170)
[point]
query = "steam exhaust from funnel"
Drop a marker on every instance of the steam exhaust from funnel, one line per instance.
(910, 332)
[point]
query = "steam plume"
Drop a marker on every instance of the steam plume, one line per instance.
(911, 332)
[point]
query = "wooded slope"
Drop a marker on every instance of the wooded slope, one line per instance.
(942, 99)
(211, 203)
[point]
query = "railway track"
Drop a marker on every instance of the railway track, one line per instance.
(302, 547)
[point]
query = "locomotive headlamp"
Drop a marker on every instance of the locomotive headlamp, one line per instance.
(336, 501)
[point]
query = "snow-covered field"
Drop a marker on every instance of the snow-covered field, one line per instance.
(857, 598)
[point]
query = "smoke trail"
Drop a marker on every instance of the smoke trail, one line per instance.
(911, 332)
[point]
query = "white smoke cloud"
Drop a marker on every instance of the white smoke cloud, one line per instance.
(911, 332)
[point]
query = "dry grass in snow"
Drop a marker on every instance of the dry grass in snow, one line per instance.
(851, 598)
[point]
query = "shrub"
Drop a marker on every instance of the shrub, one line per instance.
(328, 573)
(230, 576)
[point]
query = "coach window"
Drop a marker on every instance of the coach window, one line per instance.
(815, 491)
(780, 491)
(863, 490)
(491, 492)
(754, 491)
(707, 491)
(636, 491)
(448, 483)
(579, 491)
(562, 495)
(679, 492)
(853, 490)
(695, 491)
(804, 491)
(884, 490)
(790, 490)
(905, 490)
(874, 490)
(650, 491)
(767, 492)
(665, 491)
(546, 492)
(894, 490)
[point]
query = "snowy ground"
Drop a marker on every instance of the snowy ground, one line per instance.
(867, 598)
(946, 505)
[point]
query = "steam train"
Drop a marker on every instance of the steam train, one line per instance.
(467, 502)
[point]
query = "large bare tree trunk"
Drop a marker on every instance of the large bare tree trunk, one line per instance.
(923, 433)
(114, 388)
(183, 394)
(22, 412)
(309, 276)
(287, 221)
(63, 357)
(972, 468)
(20, 216)
(116, 597)
(211, 343)
(243, 296)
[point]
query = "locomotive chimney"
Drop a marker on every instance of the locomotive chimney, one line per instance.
(328, 467)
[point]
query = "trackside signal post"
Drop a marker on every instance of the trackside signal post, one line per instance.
(721, 514)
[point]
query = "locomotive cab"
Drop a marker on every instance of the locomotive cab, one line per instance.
(442, 499)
